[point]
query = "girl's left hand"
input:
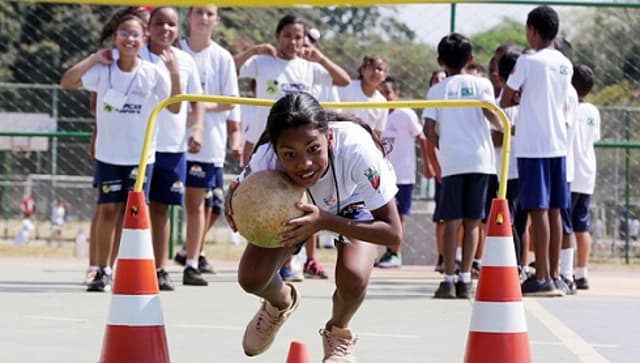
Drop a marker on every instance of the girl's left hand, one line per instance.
(170, 61)
(311, 54)
(301, 228)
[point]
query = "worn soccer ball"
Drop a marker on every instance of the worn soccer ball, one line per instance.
(262, 202)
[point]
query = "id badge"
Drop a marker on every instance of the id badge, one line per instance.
(114, 100)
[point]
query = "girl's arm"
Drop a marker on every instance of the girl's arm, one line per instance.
(242, 57)
(339, 76)
(385, 229)
(73, 77)
(171, 62)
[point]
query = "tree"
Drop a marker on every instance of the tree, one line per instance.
(486, 42)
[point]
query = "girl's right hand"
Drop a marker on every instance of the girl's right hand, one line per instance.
(228, 211)
(265, 49)
(104, 56)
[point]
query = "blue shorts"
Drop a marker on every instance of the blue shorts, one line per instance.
(403, 198)
(169, 177)
(464, 196)
(567, 226)
(355, 212)
(436, 198)
(201, 175)
(115, 181)
(214, 197)
(543, 183)
(492, 192)
(580, 212)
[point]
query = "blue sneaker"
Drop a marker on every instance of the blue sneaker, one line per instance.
(533, 287)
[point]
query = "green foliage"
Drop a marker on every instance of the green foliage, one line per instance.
(622, 93)
(486, 42)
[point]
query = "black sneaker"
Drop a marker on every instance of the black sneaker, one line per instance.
(475, 270)
(192, 277)
(571, 285)
(464, 290)
(446, 290)
(533, 287)
(164, 281)
(181, 258)
(101, 282)
(582, 283)
(204, 266)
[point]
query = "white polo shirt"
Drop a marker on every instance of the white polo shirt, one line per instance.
(402, 129)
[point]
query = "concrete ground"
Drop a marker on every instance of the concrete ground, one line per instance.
(47, 317)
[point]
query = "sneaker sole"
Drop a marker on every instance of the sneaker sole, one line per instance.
(552, 293)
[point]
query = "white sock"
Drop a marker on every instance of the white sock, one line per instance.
(92, 268)
(581, 272)
(478, 261)
(465, 277)
(108, 270)
(566, 262)
(202, 253)
(449, 278)
(192, 263)
(458, 253)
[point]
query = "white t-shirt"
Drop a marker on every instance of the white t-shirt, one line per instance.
(361, 172)
(172, 127)
(464, 133)
(218, 77)
(512, 114)
(587, 133)
(543, 78)
(402, 129)
(121, 130)
(571, 113)
(57, 215)
(374, 117)
(247, 113)
(274, 78)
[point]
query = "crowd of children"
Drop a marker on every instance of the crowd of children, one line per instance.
(359, 168)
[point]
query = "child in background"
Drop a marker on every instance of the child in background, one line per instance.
(463, 138)
(352, 188)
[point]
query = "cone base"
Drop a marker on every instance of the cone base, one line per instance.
(134, 344)
(497, 348)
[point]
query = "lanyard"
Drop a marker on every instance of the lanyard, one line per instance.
(126, 93)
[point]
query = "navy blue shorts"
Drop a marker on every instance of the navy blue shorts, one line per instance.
(464, 196)
(543, 183)
(169, 177)
(214, 198)
(580, 212)
(355, 212)
(436, 198)
(403, 198)
(115, 181)
(200, 175)
(492, 192)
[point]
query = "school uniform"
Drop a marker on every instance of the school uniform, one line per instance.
(376, 118)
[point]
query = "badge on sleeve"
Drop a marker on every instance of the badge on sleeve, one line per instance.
(373, 176)
(114, 100)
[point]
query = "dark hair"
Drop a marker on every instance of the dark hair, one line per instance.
(475, 67)
(395, 84)
(582, 79)
(506, 64)
(564, 46)
(118, 17)
(432, 79)
(298, 109)
(508, 47)
(288, 20)
(368, 60)
(454, 51)
(545, 21)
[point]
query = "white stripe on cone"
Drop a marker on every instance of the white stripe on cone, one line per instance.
(135, 310)
(136, 244)
(498, 317)
(502, 252)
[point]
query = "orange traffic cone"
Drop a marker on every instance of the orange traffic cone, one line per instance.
(298, 353)
(498, 331)
(135, 329)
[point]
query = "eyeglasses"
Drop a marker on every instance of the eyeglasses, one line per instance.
(128, 34)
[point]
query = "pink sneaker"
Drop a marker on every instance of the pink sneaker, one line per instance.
(313, 269)
(264, 326)
(339, 345)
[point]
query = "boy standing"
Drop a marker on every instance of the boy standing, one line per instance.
(466, 157)
(542, 79)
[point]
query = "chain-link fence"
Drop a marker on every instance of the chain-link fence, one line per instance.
(38, 42)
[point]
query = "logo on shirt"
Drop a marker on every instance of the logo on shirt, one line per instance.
(591, 121)
(294, 87)
(564, 70)
(466, 91)
(329, 201)
(272, 86)
(373, 176)
(108, 108)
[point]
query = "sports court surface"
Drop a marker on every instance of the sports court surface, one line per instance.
(47, 317)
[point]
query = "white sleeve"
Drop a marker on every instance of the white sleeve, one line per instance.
(415, 128)
(263, 159)
(229, 78)
(430, 112)
(518, 75)
(235, 114)
(374, 178)
(91, 78)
